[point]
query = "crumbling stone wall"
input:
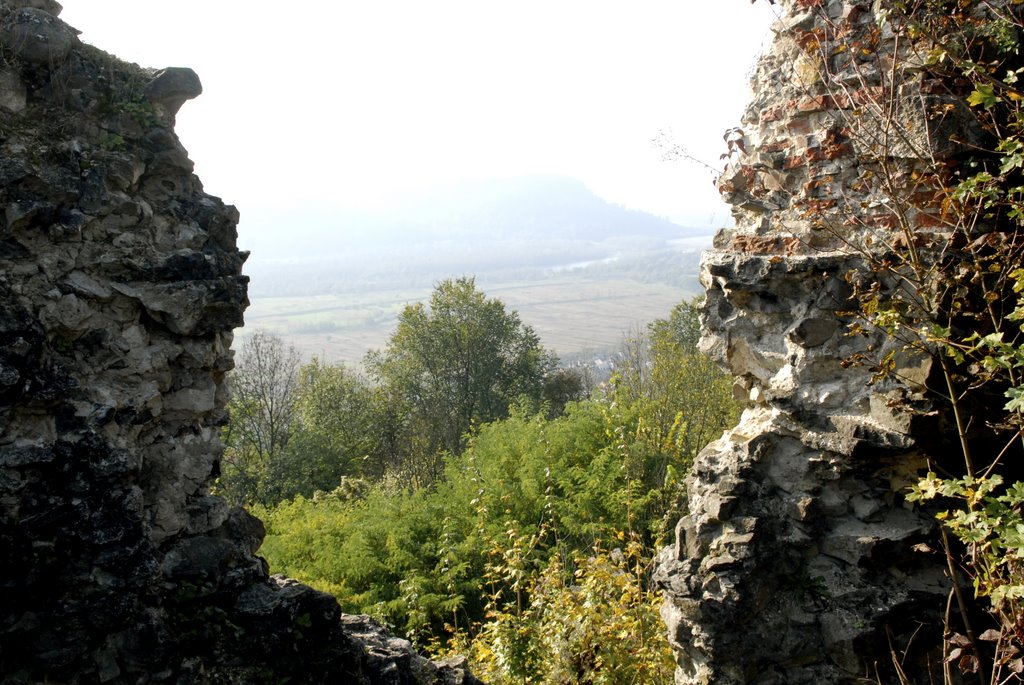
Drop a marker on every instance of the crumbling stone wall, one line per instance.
(120, 284)
(799, 560)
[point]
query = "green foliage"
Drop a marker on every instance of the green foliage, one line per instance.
(141, 111)
(681, 397)
(509, 553)
(455, 364)
(479, 560)
(376, 553)
(562, 386)
(335, 433)
(262, 410)
(954, 295)
(682, 327)
(296, 430)
(591, 622)
(111, 141)
(400, 555)
(989, 520)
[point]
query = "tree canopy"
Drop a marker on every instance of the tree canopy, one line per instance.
(460, 361)
(262, 411)
(530, 550)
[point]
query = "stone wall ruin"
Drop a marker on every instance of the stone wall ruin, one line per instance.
(120, 285)
(799, 561)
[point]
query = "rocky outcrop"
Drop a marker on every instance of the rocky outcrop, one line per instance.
(120, 284)
(799, 561)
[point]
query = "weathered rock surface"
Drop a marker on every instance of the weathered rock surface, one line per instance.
(796, 562)
(120, 284)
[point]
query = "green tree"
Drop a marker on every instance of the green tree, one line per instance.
(334, 433)
(532, 549)
(682, 326)
(684, 400)
(458, 362)
(262, 413)
(294, 430)
(562, 386)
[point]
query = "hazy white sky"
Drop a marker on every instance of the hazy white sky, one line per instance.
(339, 103)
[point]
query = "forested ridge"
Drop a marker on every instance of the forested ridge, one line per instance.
(474, 496)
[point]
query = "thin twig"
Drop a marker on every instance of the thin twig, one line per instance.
(961, 602)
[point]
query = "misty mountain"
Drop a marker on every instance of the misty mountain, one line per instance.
(549, 207)
(508, 228)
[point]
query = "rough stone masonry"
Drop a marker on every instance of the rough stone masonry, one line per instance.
(120, 285)
(799, 561)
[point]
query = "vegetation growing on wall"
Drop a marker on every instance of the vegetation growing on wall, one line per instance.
(944, 277)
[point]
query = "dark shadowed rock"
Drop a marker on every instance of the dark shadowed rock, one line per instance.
(50, 6)
(12, 92)
(171, 87)
(120, 286)
(37, 36)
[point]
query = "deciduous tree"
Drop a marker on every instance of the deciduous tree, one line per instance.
(262, 410)
(335, 432)
(459, 361)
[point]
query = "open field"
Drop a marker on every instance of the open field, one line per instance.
(572, 316)
(581, 271)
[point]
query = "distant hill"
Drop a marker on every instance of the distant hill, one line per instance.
(546, 207)
(512, 228)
